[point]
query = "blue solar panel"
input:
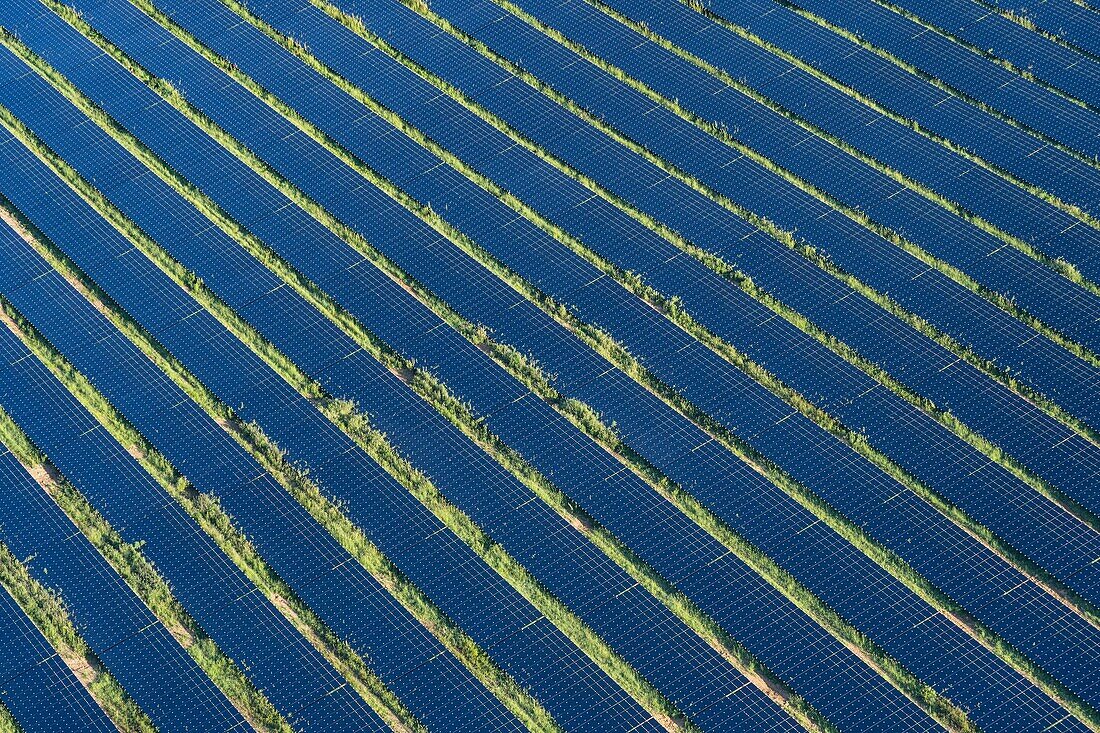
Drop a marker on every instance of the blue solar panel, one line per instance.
(510, 39)
(1069, 21)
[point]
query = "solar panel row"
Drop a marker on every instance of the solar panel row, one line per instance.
(297, 549)
(241, 378)
(134, 645)
(862, 187)
(374, 369)
(725, 309)
(1005, 147)
(375, 387)
(313, 45)
(38, 687)
(594, 229)
(543, 110)
(1072, 22)
(1048, 117)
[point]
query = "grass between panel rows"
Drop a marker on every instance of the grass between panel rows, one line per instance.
(345, 416)
(46, 609)
(206, 510)
(858, 440)
(300, 487)
(1025, 22)
(784, 237)
(323, 509)
(1065, 268)
(923, 692)
(986, 447)
(882, 555)
(8, 723)
(672, 309)
(973, 626)
(988, 54)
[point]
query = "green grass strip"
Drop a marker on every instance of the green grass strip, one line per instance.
(671, 307)
(784, 237)
(881, 554)
(46, 609)
(1034, 480)
(144, 580)
(326, 512)
(945, 268)
(127, 560)
(305, 491)
(578, 418)
(206, 510)
(584, 416)
(343, 414)
(142, 577)
(8, 723)
(980, 632)
(459, 414)
(956, 426)
(1067, 269)
(1061, 266)
(976, 440)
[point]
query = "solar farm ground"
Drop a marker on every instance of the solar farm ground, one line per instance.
(550, 365)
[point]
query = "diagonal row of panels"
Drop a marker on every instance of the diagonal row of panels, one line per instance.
(1073, 23)
(305, 554)
(933, 367)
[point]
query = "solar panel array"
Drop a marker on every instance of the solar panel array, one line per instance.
(551, 365)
